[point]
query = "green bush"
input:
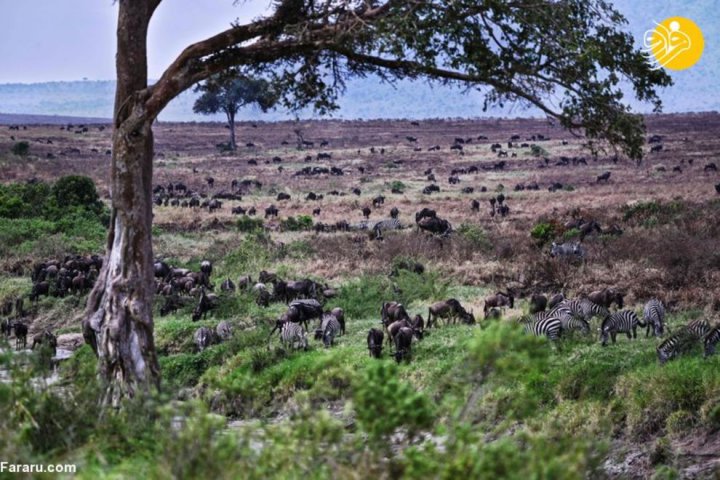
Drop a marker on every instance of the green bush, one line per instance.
(21, 148)
(398, 185)
(383, 403)
(475, 235)
(249, 224)
(538, 151)
(543, 232)
(296, 224)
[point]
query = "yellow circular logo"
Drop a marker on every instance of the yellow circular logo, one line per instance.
(675, 43)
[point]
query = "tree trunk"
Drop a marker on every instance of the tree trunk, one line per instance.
(231, 123)
(118, 319)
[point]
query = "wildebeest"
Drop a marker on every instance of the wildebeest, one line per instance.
(499, 299)
(606, 297)
(45, 339)
(394, 212)
(435, 225)
(450, 310)
(391, 312)
(204, 337)
(227, 285)
(538, 303)
(38, 289)
(302, 311)
(375, 342)
(403, 344)
(366, 212)
(6, 327)
(377, 201)
(207, 302)
(604, 177)
(271, 211)
(21, 331)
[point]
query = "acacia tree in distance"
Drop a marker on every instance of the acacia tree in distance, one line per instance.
(228, 92)
(569, 58)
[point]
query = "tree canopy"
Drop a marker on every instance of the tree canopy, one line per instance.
(228, 92)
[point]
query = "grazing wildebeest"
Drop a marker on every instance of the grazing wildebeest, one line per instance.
(271, 211)
(206, 303)
(450, 310)
(375, 342)
(377, 201)
(403, 344)
(435, 225)
(366, 212)
(392, 312)
(227, 285)
(606, 297)
(604, 177)
(717, 188)
(394, 212)
(316, 212)
(475, 206)
(500, 299)
(21, 331)
(538, 303)
(425, 213)
(45, 339)
(710, 167)
(6, 327)
(38, 289)
(302, 311)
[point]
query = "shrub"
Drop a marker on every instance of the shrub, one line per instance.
(398, 185)
(538, 151)
(475, 236)
(21, 148)
(76, 191)
(296, 224)
(383, 403)
(543, 232)
(249, 224)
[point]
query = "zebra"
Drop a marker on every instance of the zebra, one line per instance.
(654, 317)
(567, 250)
(550, 326)
(711, 339)
(292, 334)
(624, 321)
(572, 323)
(585, 309)
(678, 343)
(388, 224)
(699, 328)
(328, 330)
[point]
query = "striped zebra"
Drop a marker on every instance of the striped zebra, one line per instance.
(654, 317)
(384, 225)
(549, 326)
(699, 328)
(328, 330)
(711, 339)
(293, 336)
(572, 323)
(681, 341)
(623, 321)
(585, 309)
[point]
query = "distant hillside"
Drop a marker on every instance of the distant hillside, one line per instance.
(25, 119)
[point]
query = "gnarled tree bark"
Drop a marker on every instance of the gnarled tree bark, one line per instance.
(118, 322)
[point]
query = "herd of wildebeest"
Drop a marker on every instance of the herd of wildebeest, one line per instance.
(553, 317)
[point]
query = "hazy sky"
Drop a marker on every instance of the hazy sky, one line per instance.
(45, 40)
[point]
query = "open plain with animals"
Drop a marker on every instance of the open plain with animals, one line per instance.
(393, 280)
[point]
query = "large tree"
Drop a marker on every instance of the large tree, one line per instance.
(569, 58)
(228, 92)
